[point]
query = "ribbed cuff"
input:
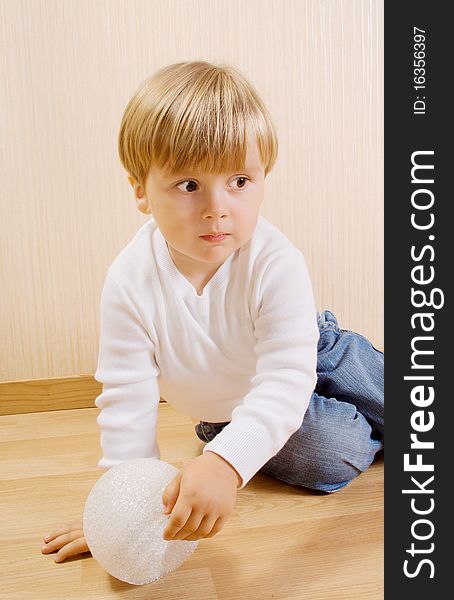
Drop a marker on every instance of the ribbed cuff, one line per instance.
(245, 446)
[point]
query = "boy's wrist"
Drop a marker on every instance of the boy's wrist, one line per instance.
(226, 462)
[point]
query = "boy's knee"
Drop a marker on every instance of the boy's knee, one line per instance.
(326, 457)
(330, 469)
(339, 455)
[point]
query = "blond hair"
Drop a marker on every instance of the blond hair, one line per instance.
(194, 116)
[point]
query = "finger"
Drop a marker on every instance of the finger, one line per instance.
(61, 540)
(178, 519)
(191, 526)
(51, 536)
(216, 527)
(60, 531)
(171, 493)
(76, 547)
(208, 527)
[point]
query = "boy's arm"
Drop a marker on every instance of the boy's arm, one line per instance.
(287, 333)
(128, 403)
(128, 371)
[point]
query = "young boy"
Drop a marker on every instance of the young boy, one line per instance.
(211, 307)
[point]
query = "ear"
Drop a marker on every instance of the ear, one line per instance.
(139, 194)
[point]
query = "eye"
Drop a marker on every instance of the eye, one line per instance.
(188, 183)
(241, 181)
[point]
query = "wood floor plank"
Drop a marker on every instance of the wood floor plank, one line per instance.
(281, 542)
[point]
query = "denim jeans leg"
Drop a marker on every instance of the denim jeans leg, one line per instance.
(350, 369)
(333, 446)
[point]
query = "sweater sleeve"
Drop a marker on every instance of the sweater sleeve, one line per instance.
(286, 334)
(128, 371)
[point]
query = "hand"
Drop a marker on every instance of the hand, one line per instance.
(68, 540)
(200, 497)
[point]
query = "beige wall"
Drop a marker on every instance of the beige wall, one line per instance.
(68, 69)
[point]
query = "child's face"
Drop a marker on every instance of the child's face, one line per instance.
(189, 205)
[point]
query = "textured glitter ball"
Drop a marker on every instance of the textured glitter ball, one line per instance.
(123, 522)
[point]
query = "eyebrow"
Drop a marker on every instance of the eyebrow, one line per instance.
(178, 175)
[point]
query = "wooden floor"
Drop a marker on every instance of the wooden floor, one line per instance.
(280, 542)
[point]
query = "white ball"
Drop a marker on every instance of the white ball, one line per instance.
(123, 522)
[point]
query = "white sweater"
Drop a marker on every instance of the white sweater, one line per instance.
(245, 351)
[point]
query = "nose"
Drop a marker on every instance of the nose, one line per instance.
(215, 205)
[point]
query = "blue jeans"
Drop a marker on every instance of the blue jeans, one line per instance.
(343, 427)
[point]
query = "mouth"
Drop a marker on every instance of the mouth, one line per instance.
(215, 237)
